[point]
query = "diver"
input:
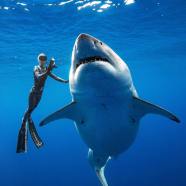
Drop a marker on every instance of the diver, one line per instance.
(41, 72)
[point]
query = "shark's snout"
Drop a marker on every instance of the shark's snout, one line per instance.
(88, 49)
(83, 41)
(85, 37)
(86, 42)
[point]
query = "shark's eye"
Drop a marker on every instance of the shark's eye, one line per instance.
(101, 43)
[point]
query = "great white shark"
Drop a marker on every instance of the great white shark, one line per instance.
(105, 105)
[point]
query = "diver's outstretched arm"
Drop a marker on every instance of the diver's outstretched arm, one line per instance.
(57, 78)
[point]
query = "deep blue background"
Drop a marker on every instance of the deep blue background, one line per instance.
(150, 35)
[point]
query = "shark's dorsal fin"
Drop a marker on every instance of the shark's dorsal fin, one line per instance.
(142, 107)
(69, 112)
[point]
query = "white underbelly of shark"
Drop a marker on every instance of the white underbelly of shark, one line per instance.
(98, 126)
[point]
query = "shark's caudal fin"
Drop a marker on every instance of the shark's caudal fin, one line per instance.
(143, 107)
(69, 111)
(98, 163)
(101, 176)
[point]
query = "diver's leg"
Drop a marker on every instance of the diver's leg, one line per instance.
(33, 132)
(22, 136)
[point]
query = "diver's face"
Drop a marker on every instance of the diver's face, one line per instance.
(42, 61)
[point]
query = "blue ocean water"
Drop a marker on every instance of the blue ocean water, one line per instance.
(150, 35)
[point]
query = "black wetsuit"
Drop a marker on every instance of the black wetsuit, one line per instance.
(40, 76)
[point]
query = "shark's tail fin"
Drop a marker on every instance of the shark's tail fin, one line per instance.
(100, 174)
(98, 163)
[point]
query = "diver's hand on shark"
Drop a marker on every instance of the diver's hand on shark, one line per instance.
(51, 66)
(66, 81)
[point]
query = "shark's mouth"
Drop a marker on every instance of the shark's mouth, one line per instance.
(91, 60)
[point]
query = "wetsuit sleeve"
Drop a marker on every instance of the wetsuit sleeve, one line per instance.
(38, 74)
(57, 78)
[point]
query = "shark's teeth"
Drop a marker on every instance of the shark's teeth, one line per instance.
(91, 60)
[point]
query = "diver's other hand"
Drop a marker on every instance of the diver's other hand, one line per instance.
(51, 64)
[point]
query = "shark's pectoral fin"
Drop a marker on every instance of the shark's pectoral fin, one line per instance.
(142, 107)
(69, 112)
